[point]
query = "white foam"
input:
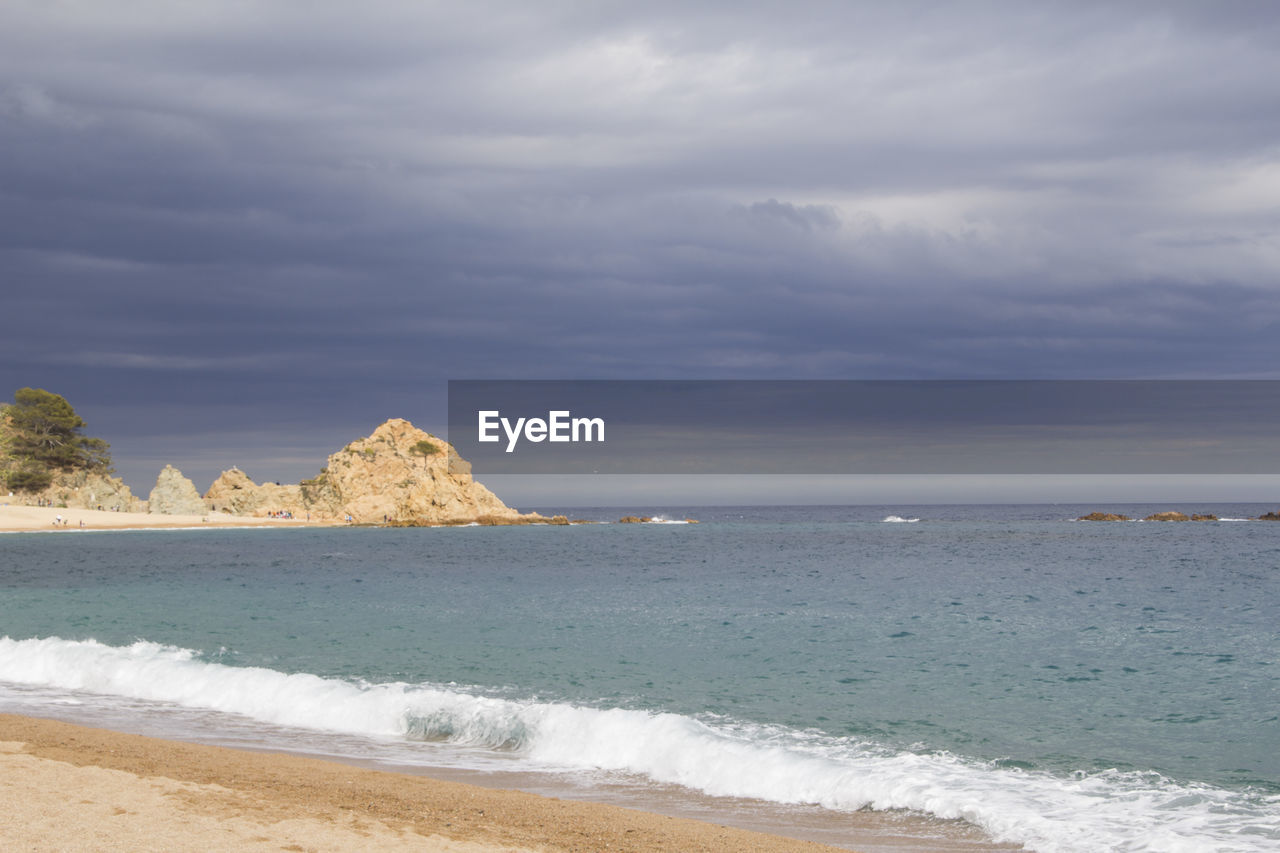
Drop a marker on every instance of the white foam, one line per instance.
(897, 519)
(1099, 811)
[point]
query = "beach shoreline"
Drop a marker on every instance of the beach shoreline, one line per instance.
(219, 797)
(17, 518)
(73, 787)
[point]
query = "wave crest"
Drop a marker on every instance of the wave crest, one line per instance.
(1111, 810)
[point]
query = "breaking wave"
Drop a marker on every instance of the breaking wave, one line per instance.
(1110, 810)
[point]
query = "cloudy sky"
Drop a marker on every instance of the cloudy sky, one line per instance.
(245, 233)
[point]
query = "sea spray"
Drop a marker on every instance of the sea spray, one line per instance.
(716, 755)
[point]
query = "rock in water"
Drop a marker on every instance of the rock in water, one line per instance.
(174, 494)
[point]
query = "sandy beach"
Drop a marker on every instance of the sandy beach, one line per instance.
(71, 788)
(14, 518)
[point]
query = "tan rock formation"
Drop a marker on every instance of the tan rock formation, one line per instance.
(400, 473)
(174, 494)
(1167, 516)
(234, 493)
(1103, 516)
(90, 490)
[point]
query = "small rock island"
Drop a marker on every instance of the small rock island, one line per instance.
(1169, 516)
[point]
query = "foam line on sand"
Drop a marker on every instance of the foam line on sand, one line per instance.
(70, 788)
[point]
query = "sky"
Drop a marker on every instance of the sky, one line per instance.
(243, 233)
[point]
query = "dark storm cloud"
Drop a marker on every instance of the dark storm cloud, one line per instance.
(305, 214)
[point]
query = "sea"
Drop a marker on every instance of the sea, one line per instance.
(875, 677)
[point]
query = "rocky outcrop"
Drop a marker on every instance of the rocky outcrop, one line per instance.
(1156, 516)
(90, 490)
(400, 473)
(234, 493)
(1269, 516)
(174, 494)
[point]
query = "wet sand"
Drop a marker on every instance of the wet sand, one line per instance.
(72, 788)
(69, 787)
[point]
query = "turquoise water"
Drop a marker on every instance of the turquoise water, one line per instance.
(1071, 686)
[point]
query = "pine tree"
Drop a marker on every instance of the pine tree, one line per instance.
(44, 435)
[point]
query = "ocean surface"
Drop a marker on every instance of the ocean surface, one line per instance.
(1067, 686)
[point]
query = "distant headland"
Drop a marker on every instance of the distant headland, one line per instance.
(398, 475)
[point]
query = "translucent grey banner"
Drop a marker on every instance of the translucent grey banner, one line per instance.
(866, 427)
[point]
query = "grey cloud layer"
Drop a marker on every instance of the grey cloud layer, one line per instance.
(384, 198)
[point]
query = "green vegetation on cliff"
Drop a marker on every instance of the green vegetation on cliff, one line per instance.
(41, 436)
